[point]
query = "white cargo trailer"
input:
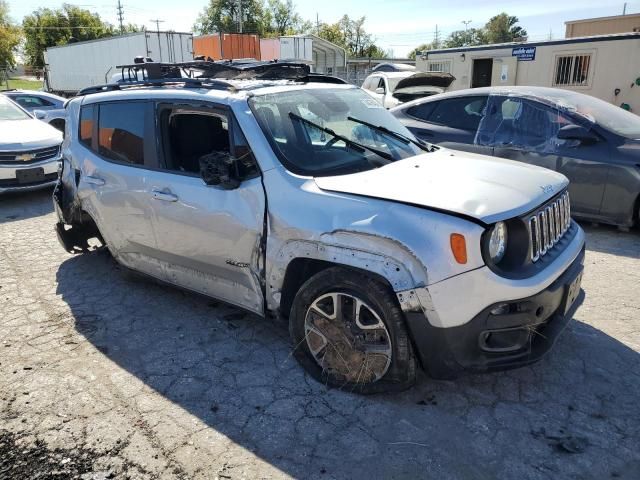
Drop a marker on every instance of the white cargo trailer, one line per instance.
(70, 68)
(323, 56)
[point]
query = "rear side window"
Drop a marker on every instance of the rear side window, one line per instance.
(121, 132)
(463, 113)
(422, 111)
(86, 125)
(29, 101)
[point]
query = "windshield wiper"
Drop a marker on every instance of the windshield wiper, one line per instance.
(403, 138)
(355, 145)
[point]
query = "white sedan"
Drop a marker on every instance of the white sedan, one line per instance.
(43, 105)
(29, 150)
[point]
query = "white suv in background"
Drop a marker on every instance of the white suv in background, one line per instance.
(29, 150)
(283, 193)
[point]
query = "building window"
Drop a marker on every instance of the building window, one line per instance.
(572, 70)
(442, 67)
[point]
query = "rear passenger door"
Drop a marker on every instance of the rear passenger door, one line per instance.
(451, 122)
(115, 150)
(209, 239)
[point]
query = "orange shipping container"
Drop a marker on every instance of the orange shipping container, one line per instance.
(227, 46)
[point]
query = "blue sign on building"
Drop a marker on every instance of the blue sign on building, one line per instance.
(524, 54)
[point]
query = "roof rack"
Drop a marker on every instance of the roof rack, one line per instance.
(212, 84)
(143, 70)
(208, 74)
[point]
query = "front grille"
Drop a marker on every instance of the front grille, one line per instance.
(548, 225)
(33, 156)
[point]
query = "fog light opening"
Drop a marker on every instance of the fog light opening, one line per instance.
(504, 341)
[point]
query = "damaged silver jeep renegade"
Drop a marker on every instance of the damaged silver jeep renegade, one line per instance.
(284, 192)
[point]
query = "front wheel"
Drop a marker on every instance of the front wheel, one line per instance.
(349, 332)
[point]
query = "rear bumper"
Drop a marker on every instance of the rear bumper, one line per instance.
(521, 335)
(10, 183)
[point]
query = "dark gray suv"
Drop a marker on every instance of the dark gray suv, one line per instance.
(596, 145)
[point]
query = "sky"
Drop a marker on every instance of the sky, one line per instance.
(397, 25)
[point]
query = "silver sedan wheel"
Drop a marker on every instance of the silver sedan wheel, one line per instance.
(347, 338)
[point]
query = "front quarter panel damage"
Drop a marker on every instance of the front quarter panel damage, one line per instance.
(405, 245)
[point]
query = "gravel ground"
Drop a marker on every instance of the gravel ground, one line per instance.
(107, 376)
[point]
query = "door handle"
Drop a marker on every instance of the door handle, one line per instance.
(94, 180)
(164, 196)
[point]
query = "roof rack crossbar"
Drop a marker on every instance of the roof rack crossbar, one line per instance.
(212, 84)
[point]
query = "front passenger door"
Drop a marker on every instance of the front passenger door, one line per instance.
(527, 131)
(209, 239)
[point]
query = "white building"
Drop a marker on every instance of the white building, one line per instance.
(604, 66)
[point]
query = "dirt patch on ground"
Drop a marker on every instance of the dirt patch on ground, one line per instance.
(20, 459)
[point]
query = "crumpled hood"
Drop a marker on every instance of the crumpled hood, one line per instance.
(485, 188)
(27, 134)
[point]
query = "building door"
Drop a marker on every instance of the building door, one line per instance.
(482, 70)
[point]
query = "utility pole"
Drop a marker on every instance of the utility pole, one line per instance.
(240, 16)
(121, 16)
(466, 31)
(624, 8)
(436, 38)
(157, 21)
(317, 24)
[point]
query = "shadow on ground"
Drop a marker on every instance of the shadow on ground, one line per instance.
(610, 240)
(18, 206)
(575, 414)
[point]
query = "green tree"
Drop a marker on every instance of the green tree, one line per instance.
(281, 18)
(463, 38)
(351, 35)
(9, 37)
(419, 49)
(503, 28)
(223, 16)
(46, 28)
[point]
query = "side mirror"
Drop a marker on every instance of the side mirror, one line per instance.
(219, 168)
(577, 132)
(380, 91)
(39, 114)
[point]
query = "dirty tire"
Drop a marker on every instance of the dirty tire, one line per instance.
(380, 303)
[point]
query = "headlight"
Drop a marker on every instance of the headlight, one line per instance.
(498, 242)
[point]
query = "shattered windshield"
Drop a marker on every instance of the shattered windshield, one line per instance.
(608, 116)
(319, 132)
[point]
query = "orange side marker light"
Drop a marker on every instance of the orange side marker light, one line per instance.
(459, 247)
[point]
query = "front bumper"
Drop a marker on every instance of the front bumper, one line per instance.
(521, 334)
(9, 181)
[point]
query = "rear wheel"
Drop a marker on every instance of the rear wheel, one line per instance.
(349, 332)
